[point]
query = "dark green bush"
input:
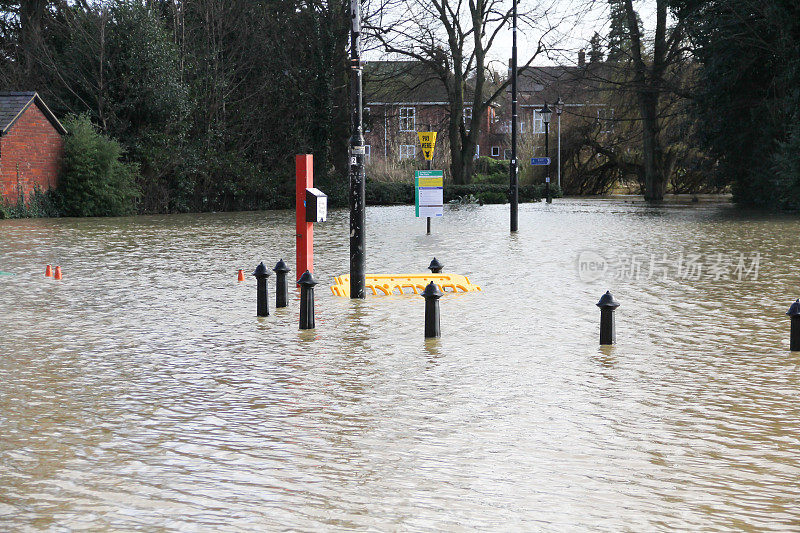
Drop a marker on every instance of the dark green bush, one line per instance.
(94, 180)
(380, 193)
(40, 204)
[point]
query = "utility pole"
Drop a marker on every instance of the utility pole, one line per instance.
(512, 167)
(357, 208)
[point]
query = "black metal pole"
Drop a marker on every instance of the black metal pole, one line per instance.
(307, 283)
(512, 167)
(262, 303)
(432, 295)
(547, 154)
(281, 285)
(357, 208)
(608, 332)
(794, 339)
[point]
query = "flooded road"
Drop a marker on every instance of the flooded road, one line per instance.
(141, 392)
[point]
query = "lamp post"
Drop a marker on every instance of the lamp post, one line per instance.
(512, 167)
(559, 110)
(357, 178)
(546, 116)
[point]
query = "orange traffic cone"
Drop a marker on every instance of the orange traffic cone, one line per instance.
(48, 271)
(241, 275)
(58, 273)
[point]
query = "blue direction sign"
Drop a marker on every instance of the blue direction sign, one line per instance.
(540, 161)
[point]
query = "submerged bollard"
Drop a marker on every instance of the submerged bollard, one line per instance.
(281, 286)
(307, 283)
(607, 305)
(432, 295)
(262, 304)
(435, 266)
(794, 338)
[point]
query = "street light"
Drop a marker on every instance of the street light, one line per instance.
(546, 116)
(559, 110)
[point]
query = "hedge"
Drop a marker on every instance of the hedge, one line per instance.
(381, 193)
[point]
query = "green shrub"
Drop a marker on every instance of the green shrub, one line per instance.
(492, 197)
(380, 193)
(94, 180)
(40, 204)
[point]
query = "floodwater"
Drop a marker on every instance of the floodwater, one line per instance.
(141, 392)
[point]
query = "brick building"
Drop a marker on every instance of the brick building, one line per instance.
(405, 97)
(31, 145)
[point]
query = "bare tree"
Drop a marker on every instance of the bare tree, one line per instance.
(649, 86)
(453, 38)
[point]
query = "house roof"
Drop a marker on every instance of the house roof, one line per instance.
(574, 84)
(14, 104)
(405, 82)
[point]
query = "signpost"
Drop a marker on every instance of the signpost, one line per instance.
(540, 161)
(427, 140)
(429, 193)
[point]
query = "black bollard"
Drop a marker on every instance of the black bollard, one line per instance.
(794, 339)
(435, 266)
(607, 305)
(432, 295)
(307, 283)
(262, 304)
(281, 286)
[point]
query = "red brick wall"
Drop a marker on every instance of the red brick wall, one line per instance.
(36, 146)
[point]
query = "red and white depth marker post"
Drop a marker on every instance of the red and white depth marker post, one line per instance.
(304, 173)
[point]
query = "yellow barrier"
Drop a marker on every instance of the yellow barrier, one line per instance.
(385, 285)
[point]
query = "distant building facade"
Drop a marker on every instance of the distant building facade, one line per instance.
(403, 98)
(31, 145)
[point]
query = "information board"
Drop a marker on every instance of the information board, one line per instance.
(429, 192)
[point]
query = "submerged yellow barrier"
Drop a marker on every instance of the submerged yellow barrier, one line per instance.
(385, 285)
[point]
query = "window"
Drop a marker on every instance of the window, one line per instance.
(605, 118)
(507, 153)
(477, 151)
(408, 118)
(467, 118)
(522, 127)
(538, 123)
(367, 120)
(495, 151)
(367, 152)
(408, 151)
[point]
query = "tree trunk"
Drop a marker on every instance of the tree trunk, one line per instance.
(653, 177)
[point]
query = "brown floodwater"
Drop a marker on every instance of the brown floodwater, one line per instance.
(141, 392)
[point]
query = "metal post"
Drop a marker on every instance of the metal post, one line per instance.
(262, 304)
(307, 283)
(304, 230)
(281, 285)
(435, 267)
(559, 109)
(794, 338)
(432, 295)
(357, 179)
(608, 332)
(547, 154)
(512, 166)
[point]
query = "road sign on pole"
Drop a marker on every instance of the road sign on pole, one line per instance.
(429, 192)
(427, 140)
(540, 161)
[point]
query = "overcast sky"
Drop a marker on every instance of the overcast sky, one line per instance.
(569, 25)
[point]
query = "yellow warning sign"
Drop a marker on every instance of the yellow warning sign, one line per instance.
(427, 140)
